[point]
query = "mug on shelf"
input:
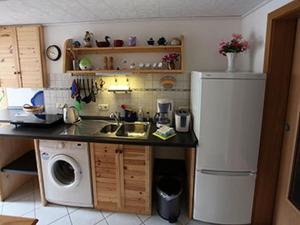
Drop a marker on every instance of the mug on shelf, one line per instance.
(118, 43)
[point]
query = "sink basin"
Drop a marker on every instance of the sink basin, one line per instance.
(134, 130)
(109, 129)
(105, 128)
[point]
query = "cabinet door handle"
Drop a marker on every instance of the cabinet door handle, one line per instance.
(15, 72)
(117, 151)
(121, 151)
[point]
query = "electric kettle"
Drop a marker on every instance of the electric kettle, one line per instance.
(70, 115)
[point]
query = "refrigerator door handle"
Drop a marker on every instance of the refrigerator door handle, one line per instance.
(227, 173)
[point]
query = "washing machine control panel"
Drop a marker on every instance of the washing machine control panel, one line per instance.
(45, 156)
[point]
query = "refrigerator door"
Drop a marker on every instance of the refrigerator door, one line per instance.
(224, 198)
(227, 121)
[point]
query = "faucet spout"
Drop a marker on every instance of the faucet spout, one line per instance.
(115, 117)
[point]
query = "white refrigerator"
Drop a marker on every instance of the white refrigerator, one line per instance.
(227, 113)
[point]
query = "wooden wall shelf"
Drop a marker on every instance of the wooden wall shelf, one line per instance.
(90, 72)
(68, 57)
(136, 49)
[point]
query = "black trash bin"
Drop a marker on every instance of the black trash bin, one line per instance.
(169, 190)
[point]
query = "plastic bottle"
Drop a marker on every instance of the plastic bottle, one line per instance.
(140, 114)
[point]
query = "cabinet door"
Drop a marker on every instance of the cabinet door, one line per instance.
(9, 76)
(31, 56)
(106, 176)
(137, 178)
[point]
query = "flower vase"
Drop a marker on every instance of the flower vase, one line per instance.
(171, 65)
(231, 61)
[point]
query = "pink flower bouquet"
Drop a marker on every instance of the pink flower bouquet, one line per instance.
(236, 45)
(170, 58)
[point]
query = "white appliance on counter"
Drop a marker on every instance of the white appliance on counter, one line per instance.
(66, 172)
(227, 113)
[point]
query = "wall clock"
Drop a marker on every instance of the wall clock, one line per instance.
(53, 52)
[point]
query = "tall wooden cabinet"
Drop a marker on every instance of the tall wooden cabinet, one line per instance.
(22, 59)
(122, 177)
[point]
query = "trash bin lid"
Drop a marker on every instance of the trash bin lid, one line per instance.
(169, 185)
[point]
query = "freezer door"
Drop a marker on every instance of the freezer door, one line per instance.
(230, 124)
(224, 198)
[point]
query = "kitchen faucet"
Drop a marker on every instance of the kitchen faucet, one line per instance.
(115, 116)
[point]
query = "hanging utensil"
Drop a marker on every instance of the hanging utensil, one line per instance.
(74, 89)
(96, 88)
(93, 95)
(78, 97)
(89, 97)
(85, 98)
(102, 82)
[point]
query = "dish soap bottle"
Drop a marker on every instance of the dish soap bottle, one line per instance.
(140, 114)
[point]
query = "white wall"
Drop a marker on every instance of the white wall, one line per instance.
(254, 28)
(201, 37)
(201, 49)
(201, 53)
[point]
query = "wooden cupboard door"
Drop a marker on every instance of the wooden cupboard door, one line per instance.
(9, 76)
(30, 47)
(106, 177)
(137, 177)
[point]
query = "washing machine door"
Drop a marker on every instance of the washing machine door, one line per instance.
(64, 171)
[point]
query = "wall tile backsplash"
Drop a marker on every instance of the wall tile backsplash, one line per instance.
(146, 90)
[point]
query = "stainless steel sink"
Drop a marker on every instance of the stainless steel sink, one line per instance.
(134, 130)
(106, 128)
(109, 129)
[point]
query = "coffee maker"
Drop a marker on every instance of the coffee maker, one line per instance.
(164, 115)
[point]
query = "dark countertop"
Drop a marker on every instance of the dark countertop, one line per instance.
(53, 132)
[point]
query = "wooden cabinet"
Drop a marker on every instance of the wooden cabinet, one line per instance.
(122, 177)
(9, 58)
(22, 60)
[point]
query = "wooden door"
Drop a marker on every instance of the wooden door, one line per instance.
(30, 49)
(136, 161)
(9, 69)
(106, 176)
(285, 212)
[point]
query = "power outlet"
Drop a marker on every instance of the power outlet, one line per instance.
(103, 107)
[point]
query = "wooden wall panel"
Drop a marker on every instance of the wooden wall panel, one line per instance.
(29, 47)
(8, 58)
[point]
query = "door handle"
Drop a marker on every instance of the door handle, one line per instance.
(227, 173)
(287, 127)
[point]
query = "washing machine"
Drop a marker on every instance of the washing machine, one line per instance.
(66, 172)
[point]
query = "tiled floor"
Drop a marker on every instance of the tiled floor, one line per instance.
(26, 203)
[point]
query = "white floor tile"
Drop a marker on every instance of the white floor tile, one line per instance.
(30, 214)
(194, 222)
(50, 213)
(124, 219)
(72, 209)
(143, 217)
(103, 222)
(62, 221)
(19, 207)
(157, 220)
(86, 216)
(107, 213)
